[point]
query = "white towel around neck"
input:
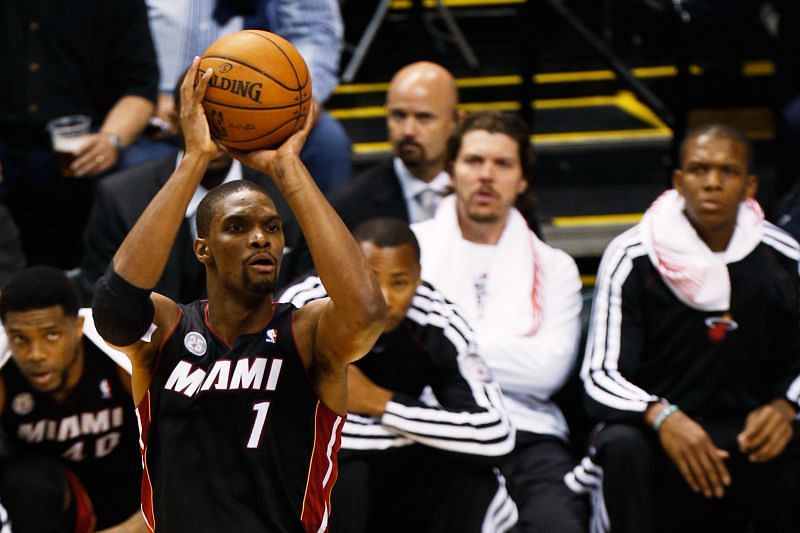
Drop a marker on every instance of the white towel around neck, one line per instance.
(514, 283)
(696, 275)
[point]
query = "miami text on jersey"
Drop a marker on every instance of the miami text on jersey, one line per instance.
(190, 379)
(70, 427)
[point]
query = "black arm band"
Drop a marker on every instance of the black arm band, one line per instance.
(122, 312)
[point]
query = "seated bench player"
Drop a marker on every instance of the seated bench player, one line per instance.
(693, 356)
(398, 452)
(66, 409)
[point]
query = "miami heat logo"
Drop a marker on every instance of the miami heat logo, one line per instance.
(719, 326)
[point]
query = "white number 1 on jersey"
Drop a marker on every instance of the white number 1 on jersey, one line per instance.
(261, 409)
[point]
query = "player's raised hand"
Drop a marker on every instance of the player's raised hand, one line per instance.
(271, 161)
(700, 462)
(767, 431)
(194, 125)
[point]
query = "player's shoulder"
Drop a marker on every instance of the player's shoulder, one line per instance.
(555, 258)
(306, 299)
(628, 245)
(630, 241)
(431, 301)
(306, 310)
(780, 241)
(559, 269)
(309, 312)
(626, 252)
(436, 318)
(305, 322)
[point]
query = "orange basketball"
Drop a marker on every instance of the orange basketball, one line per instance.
(260, 90)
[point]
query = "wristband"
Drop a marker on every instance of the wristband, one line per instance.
(122, 312)
(665, 412)
(115, 141)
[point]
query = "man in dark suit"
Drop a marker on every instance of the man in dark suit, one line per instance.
(421, 114)
(121, 198)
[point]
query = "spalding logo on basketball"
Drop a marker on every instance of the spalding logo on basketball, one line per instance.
(259, 92)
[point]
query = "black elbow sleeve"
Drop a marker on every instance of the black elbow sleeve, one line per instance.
(122, 312)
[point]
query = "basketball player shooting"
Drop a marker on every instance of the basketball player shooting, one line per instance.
(240, 399)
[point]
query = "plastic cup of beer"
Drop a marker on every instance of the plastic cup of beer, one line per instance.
(68, 135)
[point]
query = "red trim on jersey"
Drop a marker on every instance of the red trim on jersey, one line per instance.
(170, 333)
(143, 414)
(84, 511)
(297, 350)
(167, 337)
(322, 469)
(211, 329)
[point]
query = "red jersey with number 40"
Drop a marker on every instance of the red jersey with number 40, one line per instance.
(233, 437)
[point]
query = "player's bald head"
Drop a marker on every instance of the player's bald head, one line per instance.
(421, 114)
(424, 79)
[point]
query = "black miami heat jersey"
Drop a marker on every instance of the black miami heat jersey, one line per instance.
(234, 438)
(93, 432)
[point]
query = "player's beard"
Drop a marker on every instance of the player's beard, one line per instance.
(482, 218)
(412, 159)
(262, 286)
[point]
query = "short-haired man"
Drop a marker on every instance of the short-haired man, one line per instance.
(693, 357)
(523, 299)
(120, 199)
(240, 400)
(66, 407)
(392, 442)
(421, 114)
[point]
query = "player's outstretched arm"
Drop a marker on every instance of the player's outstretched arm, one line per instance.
(143, 254)
(123, 307)
(348, 324)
